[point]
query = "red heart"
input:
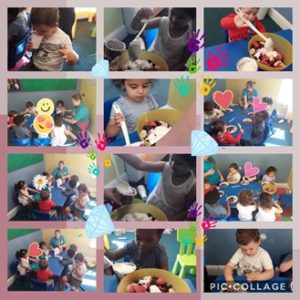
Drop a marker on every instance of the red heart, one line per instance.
(258, 105)
(223, 99)
(34, 250)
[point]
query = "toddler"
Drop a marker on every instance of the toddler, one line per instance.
(19, 131)
(30, 109)
(234, 175)
(214, 208)
(145, 251)
(71, 187)
(10, 118)
(60, 107)
(60, 132)
(211, 113)
(246, 206)
(46, 204)
(267, 209)
(237, 28)
(259, 127)
(136, 101)
(24, 197)
(250, 259)
(45, 249)
(208, 186)
(24, 265)
(176, 189)
(270, 174)
(44, 274)
(171, 41)
(55, 48)
(222, 136)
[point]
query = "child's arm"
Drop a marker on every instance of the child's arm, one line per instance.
(228, 22)
(32, 190)
(228, 208)
(285, 266)
(69, 55)
(278, 209)
(263, 276)
(228, 272)
(70, 133)
(143, 165)
(114, 125)
(142, 16)
(115, 255)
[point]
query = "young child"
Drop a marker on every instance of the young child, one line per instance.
(10, 118)
(71, 187)
(30, 109)
(208, 186)
(55, 48)
(172, 40)
(249, 92)
(222, 136)
(49, 182)
(46, 204)
(259, 126)
(136, 101)
(270, 174)
(24, 197)
(45, 249)
(176, 189)
(214, 208)
(246, 206)
(76, 276)
(44, 274)
(250, 259)
(24, 265)
(267, 209)
(145, 251)
(60, 132)
(234, 175)
(60, 107)
(79, 203)
(19, 131)
(211, 113)
(237, 28)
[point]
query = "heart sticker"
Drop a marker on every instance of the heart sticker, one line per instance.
(249, 170)
(34, 250)
(223, 99)
(258, 105)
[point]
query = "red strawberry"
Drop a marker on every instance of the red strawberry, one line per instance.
(131, 288)
(279, 56)
(140, 289)
(160, 281)
(151, 123)
(256, 45)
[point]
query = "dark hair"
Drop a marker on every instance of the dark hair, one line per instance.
(120, 82)
(270, 169)
(74, 178)
(42, 244)
(234, 166)
(19, 119)
(48, 16)
(45, 195)
(19, 185)
(60, 102)
(13, 12)
(217, 127)
(208, 106)
(206, 180)
(261, 116)
(43, 264)
(189, 159)
(265, 200)
(21, 253)
(212, 197)
(267, 100)
(245, 236)
(29, 104)
(82, 187)
(72, 183)
(46, 174)
(245, 198)
(78, 97)
(12, 112)
(73, 247)
(71, 252)
(79, 256)
(58, 120)
(191, 12)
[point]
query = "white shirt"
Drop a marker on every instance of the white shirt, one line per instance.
(265, 215)
(78, 272)
(22, 197)
(260, 262)
(216, 114)
(234, 177)
(24, 262)
(171, 49)
(268, 178)
(59, 137)
(245, 212)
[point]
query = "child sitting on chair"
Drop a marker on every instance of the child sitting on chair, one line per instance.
(214, 208)
(44, 274)
(234, 175)
(270, 174)
(211, 113)
(19, 131)
(47, 205)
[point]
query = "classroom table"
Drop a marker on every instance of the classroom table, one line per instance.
(58, 196)
(239, 49)
(234, 190)
(274, 285)
(111, 284)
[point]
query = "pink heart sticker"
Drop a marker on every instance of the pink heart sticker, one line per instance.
(223, 99)
(249, 170)
(34, 250)
(40, 118)
(258, 105)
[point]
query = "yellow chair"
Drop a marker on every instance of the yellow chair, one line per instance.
(186, 258)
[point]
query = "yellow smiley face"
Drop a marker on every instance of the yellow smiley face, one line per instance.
(43, 124)
(45, 106)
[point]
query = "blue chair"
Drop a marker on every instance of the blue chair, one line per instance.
(41, 285)
(150, 36)
(21, 142)
(152, 180)
(42, 141)
(43, 216)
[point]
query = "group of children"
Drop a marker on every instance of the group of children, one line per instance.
(247, 209)
(77, 195)
(259, 120)
(74, 266)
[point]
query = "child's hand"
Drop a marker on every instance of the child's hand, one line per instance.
(29, 46)
(239, 22)
(145, 13)
(210, 172)
(252, 276)
(66, 53)
(118, 118)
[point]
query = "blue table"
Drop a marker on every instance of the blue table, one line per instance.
(234, 190)
(58, 196)
(111, 284)
(237, 50)
(134, 137)
(274, 285)
(55, 266)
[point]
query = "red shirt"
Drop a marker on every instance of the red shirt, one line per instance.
(239, 33)
(43, 275)
(46, 205)
(212, 188)
(11, 121)
(227, 139)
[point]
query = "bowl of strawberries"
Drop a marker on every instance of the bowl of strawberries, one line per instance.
(276, 59)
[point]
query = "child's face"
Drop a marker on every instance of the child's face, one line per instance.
(44, 30)
(249, 13)
(207, 185)
(146, 239)
(250, 249)
(78, 263)
(137, 89)
(60, 106)
(209, 112)
(272, 174)
(81, 194)
(232, 171)
(178, 18)
(179, 165)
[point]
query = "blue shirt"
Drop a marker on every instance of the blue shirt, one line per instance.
(55, 243)
(250, 95)
(57, 173)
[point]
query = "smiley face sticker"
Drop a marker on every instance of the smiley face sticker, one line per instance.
(45, 106)
(43, 124)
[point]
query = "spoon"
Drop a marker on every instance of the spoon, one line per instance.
(269, 45)
(124, 128)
